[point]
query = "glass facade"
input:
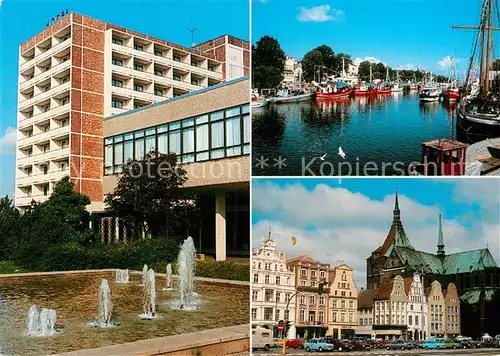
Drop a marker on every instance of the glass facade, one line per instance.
(215, 135)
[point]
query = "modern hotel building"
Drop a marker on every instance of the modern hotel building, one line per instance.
(79, 78)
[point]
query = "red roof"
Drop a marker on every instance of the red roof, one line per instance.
(303, 259)
(445, 144)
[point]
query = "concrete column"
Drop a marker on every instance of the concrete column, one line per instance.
(220, 226)
(117, 229)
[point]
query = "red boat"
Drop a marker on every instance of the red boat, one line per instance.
(364, 90)
(452, 94)
(384, 91)
(340, 94)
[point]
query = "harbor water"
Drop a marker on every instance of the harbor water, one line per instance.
(380, 135)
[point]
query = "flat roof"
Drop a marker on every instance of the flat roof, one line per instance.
(180, 97)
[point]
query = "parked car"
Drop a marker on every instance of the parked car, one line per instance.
(399, 345)
(359, 345)
(295, 343)
(262, 338)
(433, 344)
(339, 345)
(452, 344)
(318, 345)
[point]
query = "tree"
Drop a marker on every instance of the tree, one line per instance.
(148, 195)
(9, 227)
(322, 56)
(496, 64)
(268, 63)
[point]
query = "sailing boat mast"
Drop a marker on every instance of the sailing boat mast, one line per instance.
(371, 76)
(489, 48)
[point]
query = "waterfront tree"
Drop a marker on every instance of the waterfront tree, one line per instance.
(320, 59)
(268, 62)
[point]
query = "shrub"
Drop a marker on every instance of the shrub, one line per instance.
(223, 270)
(7, 267)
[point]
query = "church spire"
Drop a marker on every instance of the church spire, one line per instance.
(440, 244)
(396, 213)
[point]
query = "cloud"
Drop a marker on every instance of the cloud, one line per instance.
(320, 13)
(408, 66)
(8, 141)
(358, 60)
(335, 225)
(447, 61)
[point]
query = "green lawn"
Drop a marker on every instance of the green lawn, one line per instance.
(7, 267)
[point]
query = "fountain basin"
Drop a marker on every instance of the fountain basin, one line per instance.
(74, 295)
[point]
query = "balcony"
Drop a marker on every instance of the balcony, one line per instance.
(42, 178)
(52, 113)
(26, 200)
(43, 136)
(45, 95)
(42, 76)
(42, 56)
(43, 157)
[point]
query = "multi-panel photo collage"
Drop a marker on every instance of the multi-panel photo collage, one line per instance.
(250, 177)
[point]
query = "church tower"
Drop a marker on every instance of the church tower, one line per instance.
(440, 244)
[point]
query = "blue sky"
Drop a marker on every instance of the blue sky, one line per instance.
(345, 220)
(401, 33)
(165, 19)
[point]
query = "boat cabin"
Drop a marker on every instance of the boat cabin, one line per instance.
(443, 157)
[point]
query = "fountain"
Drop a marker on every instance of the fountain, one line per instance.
(105, 308)
(149, 297)
(168, 279)
(41, 323)
(144, 274)
(122, 276)
(186, 263)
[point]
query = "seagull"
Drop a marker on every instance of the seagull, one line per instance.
(323, 157)
(341, 152)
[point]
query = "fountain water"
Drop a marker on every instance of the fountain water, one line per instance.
(144, 274)
(105, 309)
(168, 279)
(149, 297)
(41, 323)
(186, 263)
(122, 276)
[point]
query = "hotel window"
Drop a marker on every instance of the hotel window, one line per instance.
(303, 272)
(138, 87)
(45, 190)
(64, 143)
(322, 300)
(211, 68)
(177, 77)
(351, 316)
(159, 92)
(210, 136)
(46, 68)
(254, 314)
(117, 83)
(254, 295)
(194, 64)
(268, 295)
(46, 88)
(302, 299)
(65, 58)
(63, 166)
(138, 67)
(321, 316)
(64, 80)
(159, 72)
(177, 58)
(342, 317)
(117, 104)
(139, 47)
(138, 106)
(334, 316)
(46, 108)
(45, 148)
(342, 304)
(45, 169)
(302, 315)
(256, 278)
(194, 81)
(312, 299)
(118, 41)
(158, 53)
(278, 280)
(65, 100)
(287, 315)
(266, 279)
(117, 62)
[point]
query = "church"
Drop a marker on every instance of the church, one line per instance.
(475, 273)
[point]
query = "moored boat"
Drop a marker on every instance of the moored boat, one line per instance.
(258, 101)
(288, 97)
(452, 94)
(334, 95)
(430, 94)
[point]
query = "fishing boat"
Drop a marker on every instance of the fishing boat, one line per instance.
(452, 94)
(258, 101)
(385, 88)
(364, 89)
(334, 95)
(430, 94)
(397, 87)
(479, 109)
(286, 96)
